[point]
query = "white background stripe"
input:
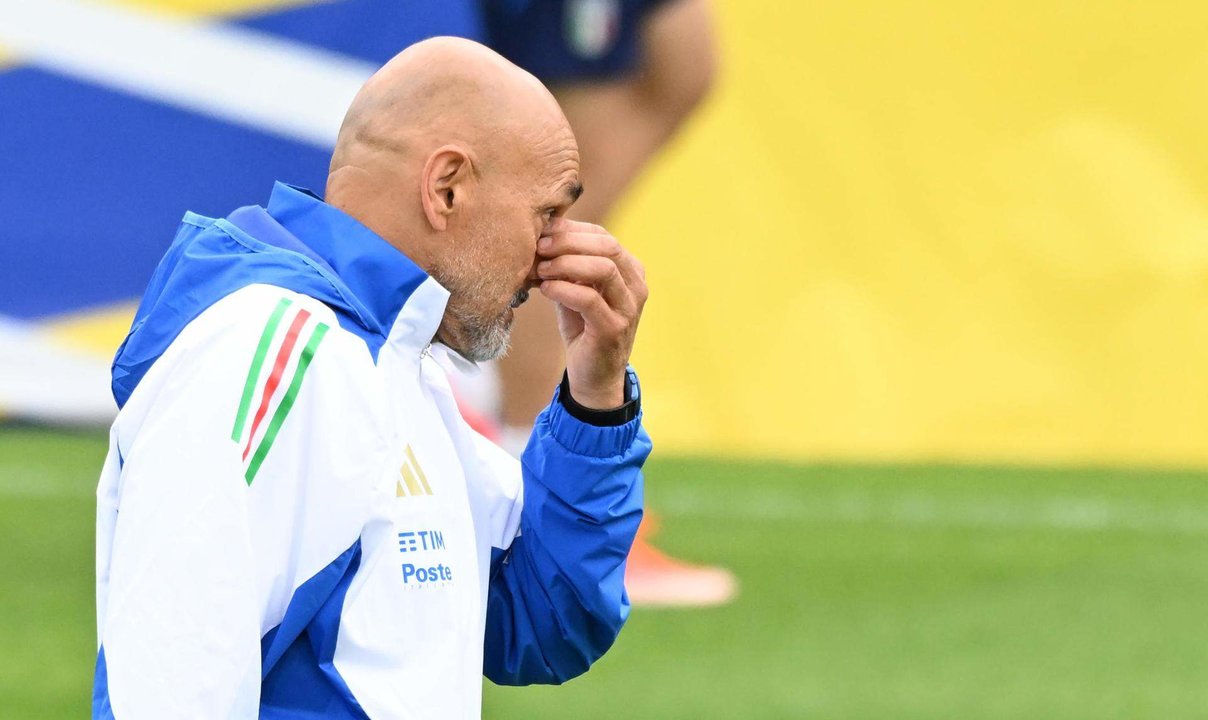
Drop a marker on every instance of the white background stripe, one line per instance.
(248, 78)
(45, 381)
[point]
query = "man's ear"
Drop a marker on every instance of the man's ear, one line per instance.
(446, 183)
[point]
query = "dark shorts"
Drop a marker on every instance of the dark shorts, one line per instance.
(568, 40)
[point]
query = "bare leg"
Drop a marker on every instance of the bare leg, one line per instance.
(620, 125)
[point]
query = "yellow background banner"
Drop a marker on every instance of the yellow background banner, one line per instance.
(936, 230)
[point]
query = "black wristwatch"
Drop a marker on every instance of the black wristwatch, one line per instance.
(604, 418)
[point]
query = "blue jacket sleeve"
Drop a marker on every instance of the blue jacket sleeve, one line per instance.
(557, 598)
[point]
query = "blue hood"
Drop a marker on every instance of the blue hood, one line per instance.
(298, 243)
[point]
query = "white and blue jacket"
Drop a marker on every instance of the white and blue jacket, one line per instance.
(294, 521)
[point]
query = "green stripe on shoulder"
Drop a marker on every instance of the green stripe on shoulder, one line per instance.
(287, 402)
(253, 373)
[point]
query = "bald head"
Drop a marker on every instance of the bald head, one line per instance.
(440, 91)
(444, 87)
(459, 159)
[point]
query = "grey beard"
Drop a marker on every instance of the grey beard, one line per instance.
(485, 341)
(491, 340)
(484, 338)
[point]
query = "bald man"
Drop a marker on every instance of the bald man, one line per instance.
(293, 520)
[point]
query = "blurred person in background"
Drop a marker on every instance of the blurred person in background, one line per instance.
(627, 73)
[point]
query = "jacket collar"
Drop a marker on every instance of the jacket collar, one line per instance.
(397, 300)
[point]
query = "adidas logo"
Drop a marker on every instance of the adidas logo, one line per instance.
(413, 481)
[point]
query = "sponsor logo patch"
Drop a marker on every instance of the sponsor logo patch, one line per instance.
(426, 548)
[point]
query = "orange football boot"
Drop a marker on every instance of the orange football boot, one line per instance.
(655, 579)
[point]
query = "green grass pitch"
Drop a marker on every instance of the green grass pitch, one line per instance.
(867, 592)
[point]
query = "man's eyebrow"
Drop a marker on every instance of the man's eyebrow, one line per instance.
(574, 190)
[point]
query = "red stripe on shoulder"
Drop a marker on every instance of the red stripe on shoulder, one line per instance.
(274, 378)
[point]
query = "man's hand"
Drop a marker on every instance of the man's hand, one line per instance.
(600, 290)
